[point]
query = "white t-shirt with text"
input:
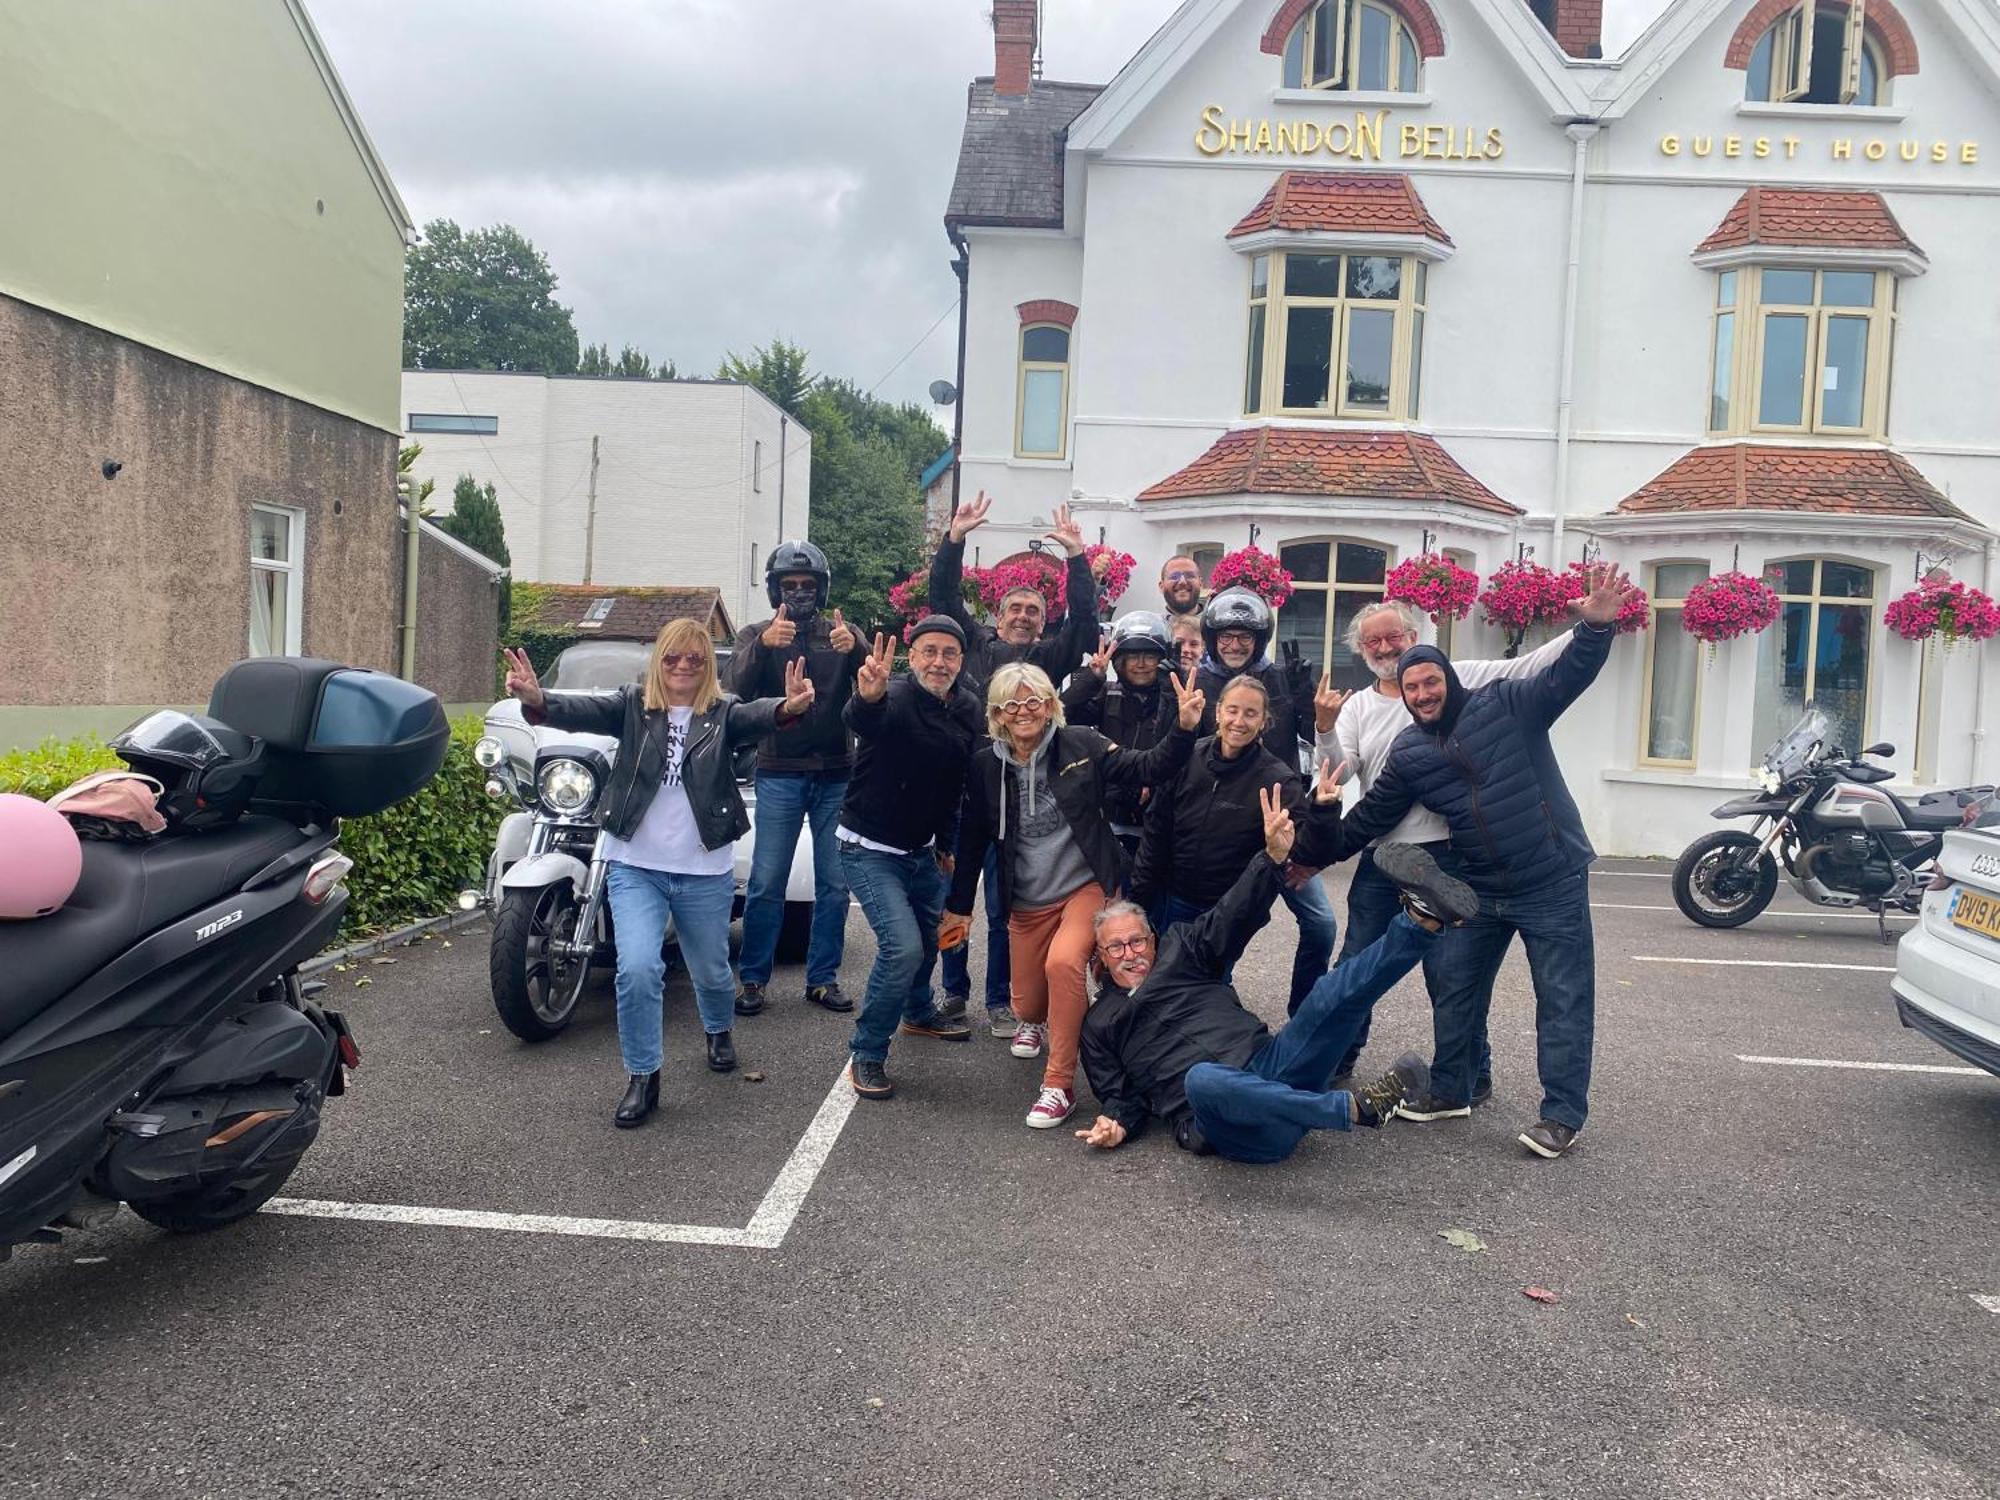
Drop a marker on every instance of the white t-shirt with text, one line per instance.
(666, 838)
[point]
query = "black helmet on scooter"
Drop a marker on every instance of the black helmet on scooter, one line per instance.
(209, 770)
(1236, 609)
(791, 558)
(1143, 630)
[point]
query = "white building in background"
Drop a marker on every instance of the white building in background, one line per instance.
(1366, 278)
(696, 480)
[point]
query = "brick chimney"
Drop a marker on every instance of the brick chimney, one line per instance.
(1015, 25)
(1577, 25)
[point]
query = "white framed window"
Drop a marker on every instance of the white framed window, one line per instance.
(434, 421)
(277, 580)
(1799, 350)
(1204, 555)
(1818, 52)
(1821, 649)
(1672, 718)
(1332, 582)
(1353, 45)
(1335, 335)
(1041, 423)
(757, 466)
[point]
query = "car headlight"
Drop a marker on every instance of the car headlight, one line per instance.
(489, 752)
(568, 786)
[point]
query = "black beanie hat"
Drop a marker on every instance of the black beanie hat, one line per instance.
(1454, 690)
(942, 624)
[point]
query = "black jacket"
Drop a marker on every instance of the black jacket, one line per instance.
(1492, 776)
(910, 764)
(1291, 717)
(707, 769)
(818, 742)
(1057, 653)
(1138, 1045)
(1137, 718)
(1203, 825)
(1083, 765)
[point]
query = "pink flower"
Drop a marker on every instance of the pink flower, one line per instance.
(1632, 616)
(1434, 584)
(1941, 605)
(1728, 605)
(1256, 570)
(1522, 594)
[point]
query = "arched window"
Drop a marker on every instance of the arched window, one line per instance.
(1818, 52)
(1332, 582)
(1353, 45)
(1042, 406)
(1820, 651)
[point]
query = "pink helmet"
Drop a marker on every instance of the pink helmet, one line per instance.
(40, 858)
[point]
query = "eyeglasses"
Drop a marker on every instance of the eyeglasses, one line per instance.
(1235, 638)
(1118, 946)
(1182, 577)
(1024, 705)
(938, 654)
(1384, 642)
(673, 659)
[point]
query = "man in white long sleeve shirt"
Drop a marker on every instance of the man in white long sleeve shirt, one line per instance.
(1367, 724)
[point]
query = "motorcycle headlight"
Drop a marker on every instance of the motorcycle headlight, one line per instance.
(1768, 779)
(489, 752)
(568, 786)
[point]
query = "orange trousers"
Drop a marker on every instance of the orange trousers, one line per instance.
(1049, 948)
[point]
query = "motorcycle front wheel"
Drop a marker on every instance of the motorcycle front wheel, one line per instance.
(535, 988)
(1715, 883)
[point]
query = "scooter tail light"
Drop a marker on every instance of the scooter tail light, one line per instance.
(350, 1054)
(325, 876)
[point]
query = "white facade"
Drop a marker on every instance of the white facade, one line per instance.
(1596, 199)
(696, 480)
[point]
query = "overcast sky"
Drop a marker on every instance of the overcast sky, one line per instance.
(706, 175)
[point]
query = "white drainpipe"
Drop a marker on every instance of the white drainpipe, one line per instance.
(1580, 133)
(1980, 675)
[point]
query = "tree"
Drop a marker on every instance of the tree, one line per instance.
(778, 370)
(406, 459)
(475, 520)
(595, 360)
(483, 300)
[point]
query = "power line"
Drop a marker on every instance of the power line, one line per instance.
(914, 347)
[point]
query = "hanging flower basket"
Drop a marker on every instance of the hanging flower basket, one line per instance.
(1632, 615)
(1721, 608)
(1521, 595)
(1254, 569)
(1113, 570)
(1040, 571)
(1943, 606)
(1434, 584)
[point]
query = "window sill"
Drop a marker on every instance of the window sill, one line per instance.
(1377, 98)
(1018, 461)
(1881, 114)
(1659, 776)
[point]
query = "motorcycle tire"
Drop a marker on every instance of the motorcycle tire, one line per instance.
(535, 1001)
(1711, 849)
(215, 1207)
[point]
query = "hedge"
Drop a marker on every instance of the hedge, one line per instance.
(409, 862)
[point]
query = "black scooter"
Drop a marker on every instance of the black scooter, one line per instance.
(157, 1045)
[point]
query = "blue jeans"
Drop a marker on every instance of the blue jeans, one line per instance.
(955, 964)
(785, 801)
(1309, 904)
(902, 895)
(641, 901)
(1553, 921)
(1372, 903)
(1260, 1112)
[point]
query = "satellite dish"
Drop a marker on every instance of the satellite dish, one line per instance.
(943, 392)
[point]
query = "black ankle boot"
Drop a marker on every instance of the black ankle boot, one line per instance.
(642, 1097)
(721, 1052)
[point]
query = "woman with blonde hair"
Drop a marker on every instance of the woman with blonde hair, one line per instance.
(671, 814)
(1040, 799)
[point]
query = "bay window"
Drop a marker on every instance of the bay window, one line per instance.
(1335, 335)
(1673, 670)
(1801, 350)
(1820, 650)
(1332, 582)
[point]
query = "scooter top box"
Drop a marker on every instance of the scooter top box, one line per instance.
(342, 739)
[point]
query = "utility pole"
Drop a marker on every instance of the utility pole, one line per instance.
(590, 522)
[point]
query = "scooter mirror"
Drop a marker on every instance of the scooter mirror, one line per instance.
(1880, 747)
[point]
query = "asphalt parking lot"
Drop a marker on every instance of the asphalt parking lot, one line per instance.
(1768, 1274)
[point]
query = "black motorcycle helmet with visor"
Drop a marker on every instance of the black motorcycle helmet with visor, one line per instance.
(1142, 630)
(1236, 609)
(210, 771)
(789, 560)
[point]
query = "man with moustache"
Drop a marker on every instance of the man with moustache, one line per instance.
(916, 735)
(1180, 586)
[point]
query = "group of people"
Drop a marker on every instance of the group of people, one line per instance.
(1133, 807)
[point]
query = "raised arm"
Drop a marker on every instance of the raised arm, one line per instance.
(948, 565)
(1544, 699)
(600, 712)
(1474, 674)
(1208, 947)
(1164, 760)
(1059, 654)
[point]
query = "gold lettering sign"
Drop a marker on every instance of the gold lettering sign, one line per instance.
(1965, 153)
(1366, 136)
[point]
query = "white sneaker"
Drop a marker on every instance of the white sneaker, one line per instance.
(1028, 1039)
(1051, 1109)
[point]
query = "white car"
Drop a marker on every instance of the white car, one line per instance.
(1947, 982)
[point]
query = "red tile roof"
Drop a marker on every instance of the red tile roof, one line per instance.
(1343, 202)
(1782, 216)
(1766, 476)
(635, 614)
(1387, 465)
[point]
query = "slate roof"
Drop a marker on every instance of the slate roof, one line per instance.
(1349, 202)
(635, 614)
(1010, 160)
(1783, 216)
(1387, 465)
(1770, 476)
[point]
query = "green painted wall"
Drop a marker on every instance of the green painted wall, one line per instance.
(182, 174)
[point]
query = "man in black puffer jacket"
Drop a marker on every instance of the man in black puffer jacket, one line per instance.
(1483, 762)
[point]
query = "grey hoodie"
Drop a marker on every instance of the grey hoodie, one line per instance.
(1048, 863)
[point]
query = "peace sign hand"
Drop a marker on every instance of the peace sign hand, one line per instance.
(1279, 834)
(1100, 659)
(522, 683)
(1326, 704)
(1192, 702)
(970, 516)
(871, 683)
(842, 638)
(1327, 784)
(798, 688)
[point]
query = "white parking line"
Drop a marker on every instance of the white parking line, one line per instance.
(1760, 963)
(1991, 1304)
(1637, 874)
(1817, 916)
(766, 1230)
(1878, 1067)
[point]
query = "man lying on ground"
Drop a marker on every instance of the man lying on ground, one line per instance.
(1169, 1037)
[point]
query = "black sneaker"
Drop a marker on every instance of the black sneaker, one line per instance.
(937, 1024)
(1377, 1102)
(750, 1000)
(952, 1007)
(1549, 1138)
(1425, 1106)
(1427, 890)
(828, 997)
(870, 1078)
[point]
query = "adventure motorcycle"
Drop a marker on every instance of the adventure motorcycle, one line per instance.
(1841, 838)
(157, 1046)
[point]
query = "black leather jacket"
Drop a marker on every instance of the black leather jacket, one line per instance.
(707, 768)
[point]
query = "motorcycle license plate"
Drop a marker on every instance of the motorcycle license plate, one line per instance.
(1980, 913)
